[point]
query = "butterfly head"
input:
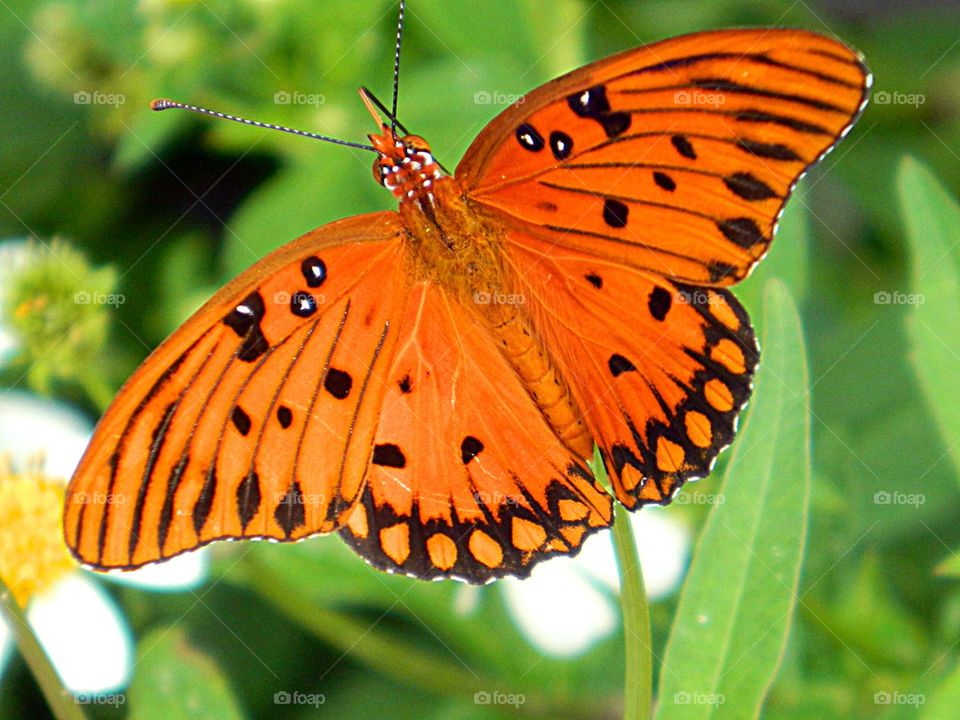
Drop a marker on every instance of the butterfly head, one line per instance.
(404, 165)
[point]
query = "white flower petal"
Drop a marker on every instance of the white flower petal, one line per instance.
(664, 545)
(83, 632)
(180, 573)
(663, 542)
(6, 642)
(30, 424)
(558, 609)
(14, 254)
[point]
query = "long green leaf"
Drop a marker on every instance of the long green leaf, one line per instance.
(176, 680)
(737, 604)
(933, 230)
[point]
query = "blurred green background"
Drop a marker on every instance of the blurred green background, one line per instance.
(176, 205)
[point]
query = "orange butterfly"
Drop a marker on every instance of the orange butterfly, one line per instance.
(430, 382)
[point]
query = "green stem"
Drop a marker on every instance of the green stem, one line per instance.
(638, 683)
(59, 700)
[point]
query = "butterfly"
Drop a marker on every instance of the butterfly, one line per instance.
(429, 382)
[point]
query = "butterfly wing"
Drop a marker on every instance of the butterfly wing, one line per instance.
(468, 479)
(255, 418)
(676, 157)
(661, 386)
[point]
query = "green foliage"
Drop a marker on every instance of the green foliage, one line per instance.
(163, 208)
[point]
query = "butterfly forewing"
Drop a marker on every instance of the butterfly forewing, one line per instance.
(676, 157)
(256, 418)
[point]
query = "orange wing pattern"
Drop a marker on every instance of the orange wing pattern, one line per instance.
(467, 479)
(661, 386)
(676, 157)
(254, 419)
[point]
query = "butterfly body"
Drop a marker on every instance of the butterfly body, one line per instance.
(430, 382)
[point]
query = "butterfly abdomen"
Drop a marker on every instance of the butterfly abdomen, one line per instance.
(454, 246)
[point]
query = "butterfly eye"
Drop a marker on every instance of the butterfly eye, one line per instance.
(415, 144)
(380, 171)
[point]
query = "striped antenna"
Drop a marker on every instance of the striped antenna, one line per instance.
(165, 104)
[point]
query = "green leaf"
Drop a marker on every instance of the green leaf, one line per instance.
(736, 606)
(943, 702)
(933, 229)
(175, 680)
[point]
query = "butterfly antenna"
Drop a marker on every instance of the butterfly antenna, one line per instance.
(165, 104)
(396, 69)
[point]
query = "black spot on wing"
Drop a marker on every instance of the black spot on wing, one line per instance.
(593, 104)
(561, 145)
(529, 138)
(314, 271)
(594, 280)
(290, 512)
(245, 320)
(683, 146)
(664, 181)
(303, 304)
(241, 421)
(470, 448)
(721, 271)
(619, 364)
(248, 498)
(771, 151)
(284, 416)
(747, 186)
(615, 213)
(338, 383)
(741, 231)
(659, 302)
(389, 455)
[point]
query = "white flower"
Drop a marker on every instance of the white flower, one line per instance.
(76, 621)
(567, 604)
(14, 254)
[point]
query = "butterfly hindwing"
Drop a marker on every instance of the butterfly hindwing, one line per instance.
(467, 479)
(676, 157)
(256, 418)
(661, 386)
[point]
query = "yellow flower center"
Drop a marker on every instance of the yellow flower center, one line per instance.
(32, 554)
